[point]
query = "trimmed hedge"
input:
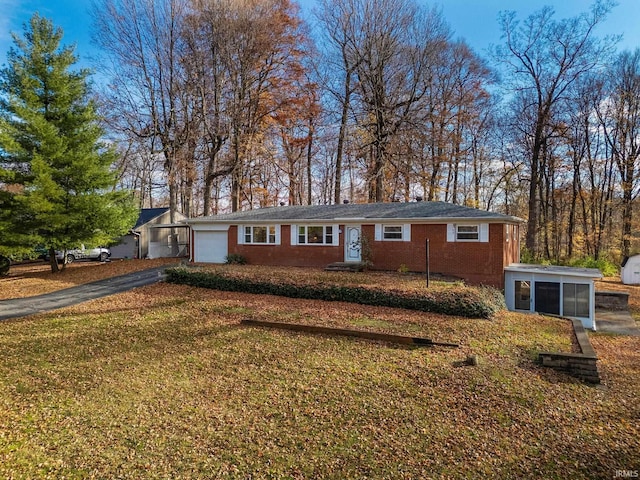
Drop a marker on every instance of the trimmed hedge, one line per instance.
(235, 259)
(463, 301)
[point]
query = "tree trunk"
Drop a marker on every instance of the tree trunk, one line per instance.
(531, 240)
(210, 174)
(341, 136)
(309, 173)
(53, 261)
(627, 217)
(575, 192)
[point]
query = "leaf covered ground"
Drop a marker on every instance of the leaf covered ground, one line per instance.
(163, 382)
(31, 279)
(616, 285)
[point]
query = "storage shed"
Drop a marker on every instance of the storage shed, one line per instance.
(554, 290)
(154, 237)
(630, 271)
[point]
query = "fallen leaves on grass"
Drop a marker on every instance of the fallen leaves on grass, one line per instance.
(162, 382)
(312, 276)
(36, 278)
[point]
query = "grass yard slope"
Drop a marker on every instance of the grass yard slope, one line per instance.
(163, 382)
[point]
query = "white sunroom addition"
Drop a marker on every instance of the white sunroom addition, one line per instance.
(554, 290)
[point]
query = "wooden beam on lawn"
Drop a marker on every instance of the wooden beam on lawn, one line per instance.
(382, 337)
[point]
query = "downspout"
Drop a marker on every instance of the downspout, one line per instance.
(192, 249)
(137, 235)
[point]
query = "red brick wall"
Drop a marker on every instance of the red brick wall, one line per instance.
(285, 254)
(512, 246)
(475, 262)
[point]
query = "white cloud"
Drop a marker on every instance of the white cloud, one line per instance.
(11, 12)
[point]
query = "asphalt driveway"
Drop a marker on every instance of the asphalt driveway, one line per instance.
(21, 307)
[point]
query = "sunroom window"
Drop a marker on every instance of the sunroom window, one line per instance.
(522, 293)
(575, 299)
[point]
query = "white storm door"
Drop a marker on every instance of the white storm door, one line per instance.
(352, 243)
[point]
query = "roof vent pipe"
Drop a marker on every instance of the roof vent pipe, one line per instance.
(418, 199)
(345, 201)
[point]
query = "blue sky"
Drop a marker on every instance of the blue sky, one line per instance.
(473, 20)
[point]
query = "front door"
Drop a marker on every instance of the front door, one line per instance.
(352, 243)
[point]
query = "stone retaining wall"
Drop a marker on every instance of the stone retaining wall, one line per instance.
(612, 300)
(580, 365)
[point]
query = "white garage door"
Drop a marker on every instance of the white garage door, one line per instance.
(210, 247)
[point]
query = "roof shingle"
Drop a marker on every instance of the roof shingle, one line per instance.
(148, 214)
(359, 211)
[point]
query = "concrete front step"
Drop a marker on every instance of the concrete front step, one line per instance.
(345, 267)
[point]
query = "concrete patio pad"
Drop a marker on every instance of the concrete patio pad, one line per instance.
(619, 322)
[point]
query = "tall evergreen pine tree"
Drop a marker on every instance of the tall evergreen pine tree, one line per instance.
(57, 187)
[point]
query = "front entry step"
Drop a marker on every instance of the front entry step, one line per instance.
(345, 267)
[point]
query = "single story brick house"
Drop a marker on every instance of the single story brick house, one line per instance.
(468, 243)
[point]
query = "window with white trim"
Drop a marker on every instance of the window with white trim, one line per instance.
(392, 232)
(467, 232)
(260, 234)
(316, 234)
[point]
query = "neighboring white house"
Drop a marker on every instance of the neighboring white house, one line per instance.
(555, 290)
(630, 271)
(153, 236)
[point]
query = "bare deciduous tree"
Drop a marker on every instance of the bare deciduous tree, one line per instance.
(544, 57)
(621, 123)
(142, 40)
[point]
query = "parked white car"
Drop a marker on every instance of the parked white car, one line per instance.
(99, 254)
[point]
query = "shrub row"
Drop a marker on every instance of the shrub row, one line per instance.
(472, 302)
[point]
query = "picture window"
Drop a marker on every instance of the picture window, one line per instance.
(259, 234)
(315, 235)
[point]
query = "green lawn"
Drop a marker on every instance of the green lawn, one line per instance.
(163, 382)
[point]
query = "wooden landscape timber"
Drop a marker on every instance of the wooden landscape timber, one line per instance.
(381, 337)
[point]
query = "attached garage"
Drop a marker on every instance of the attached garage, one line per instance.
(210, 245)
(553, 290)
